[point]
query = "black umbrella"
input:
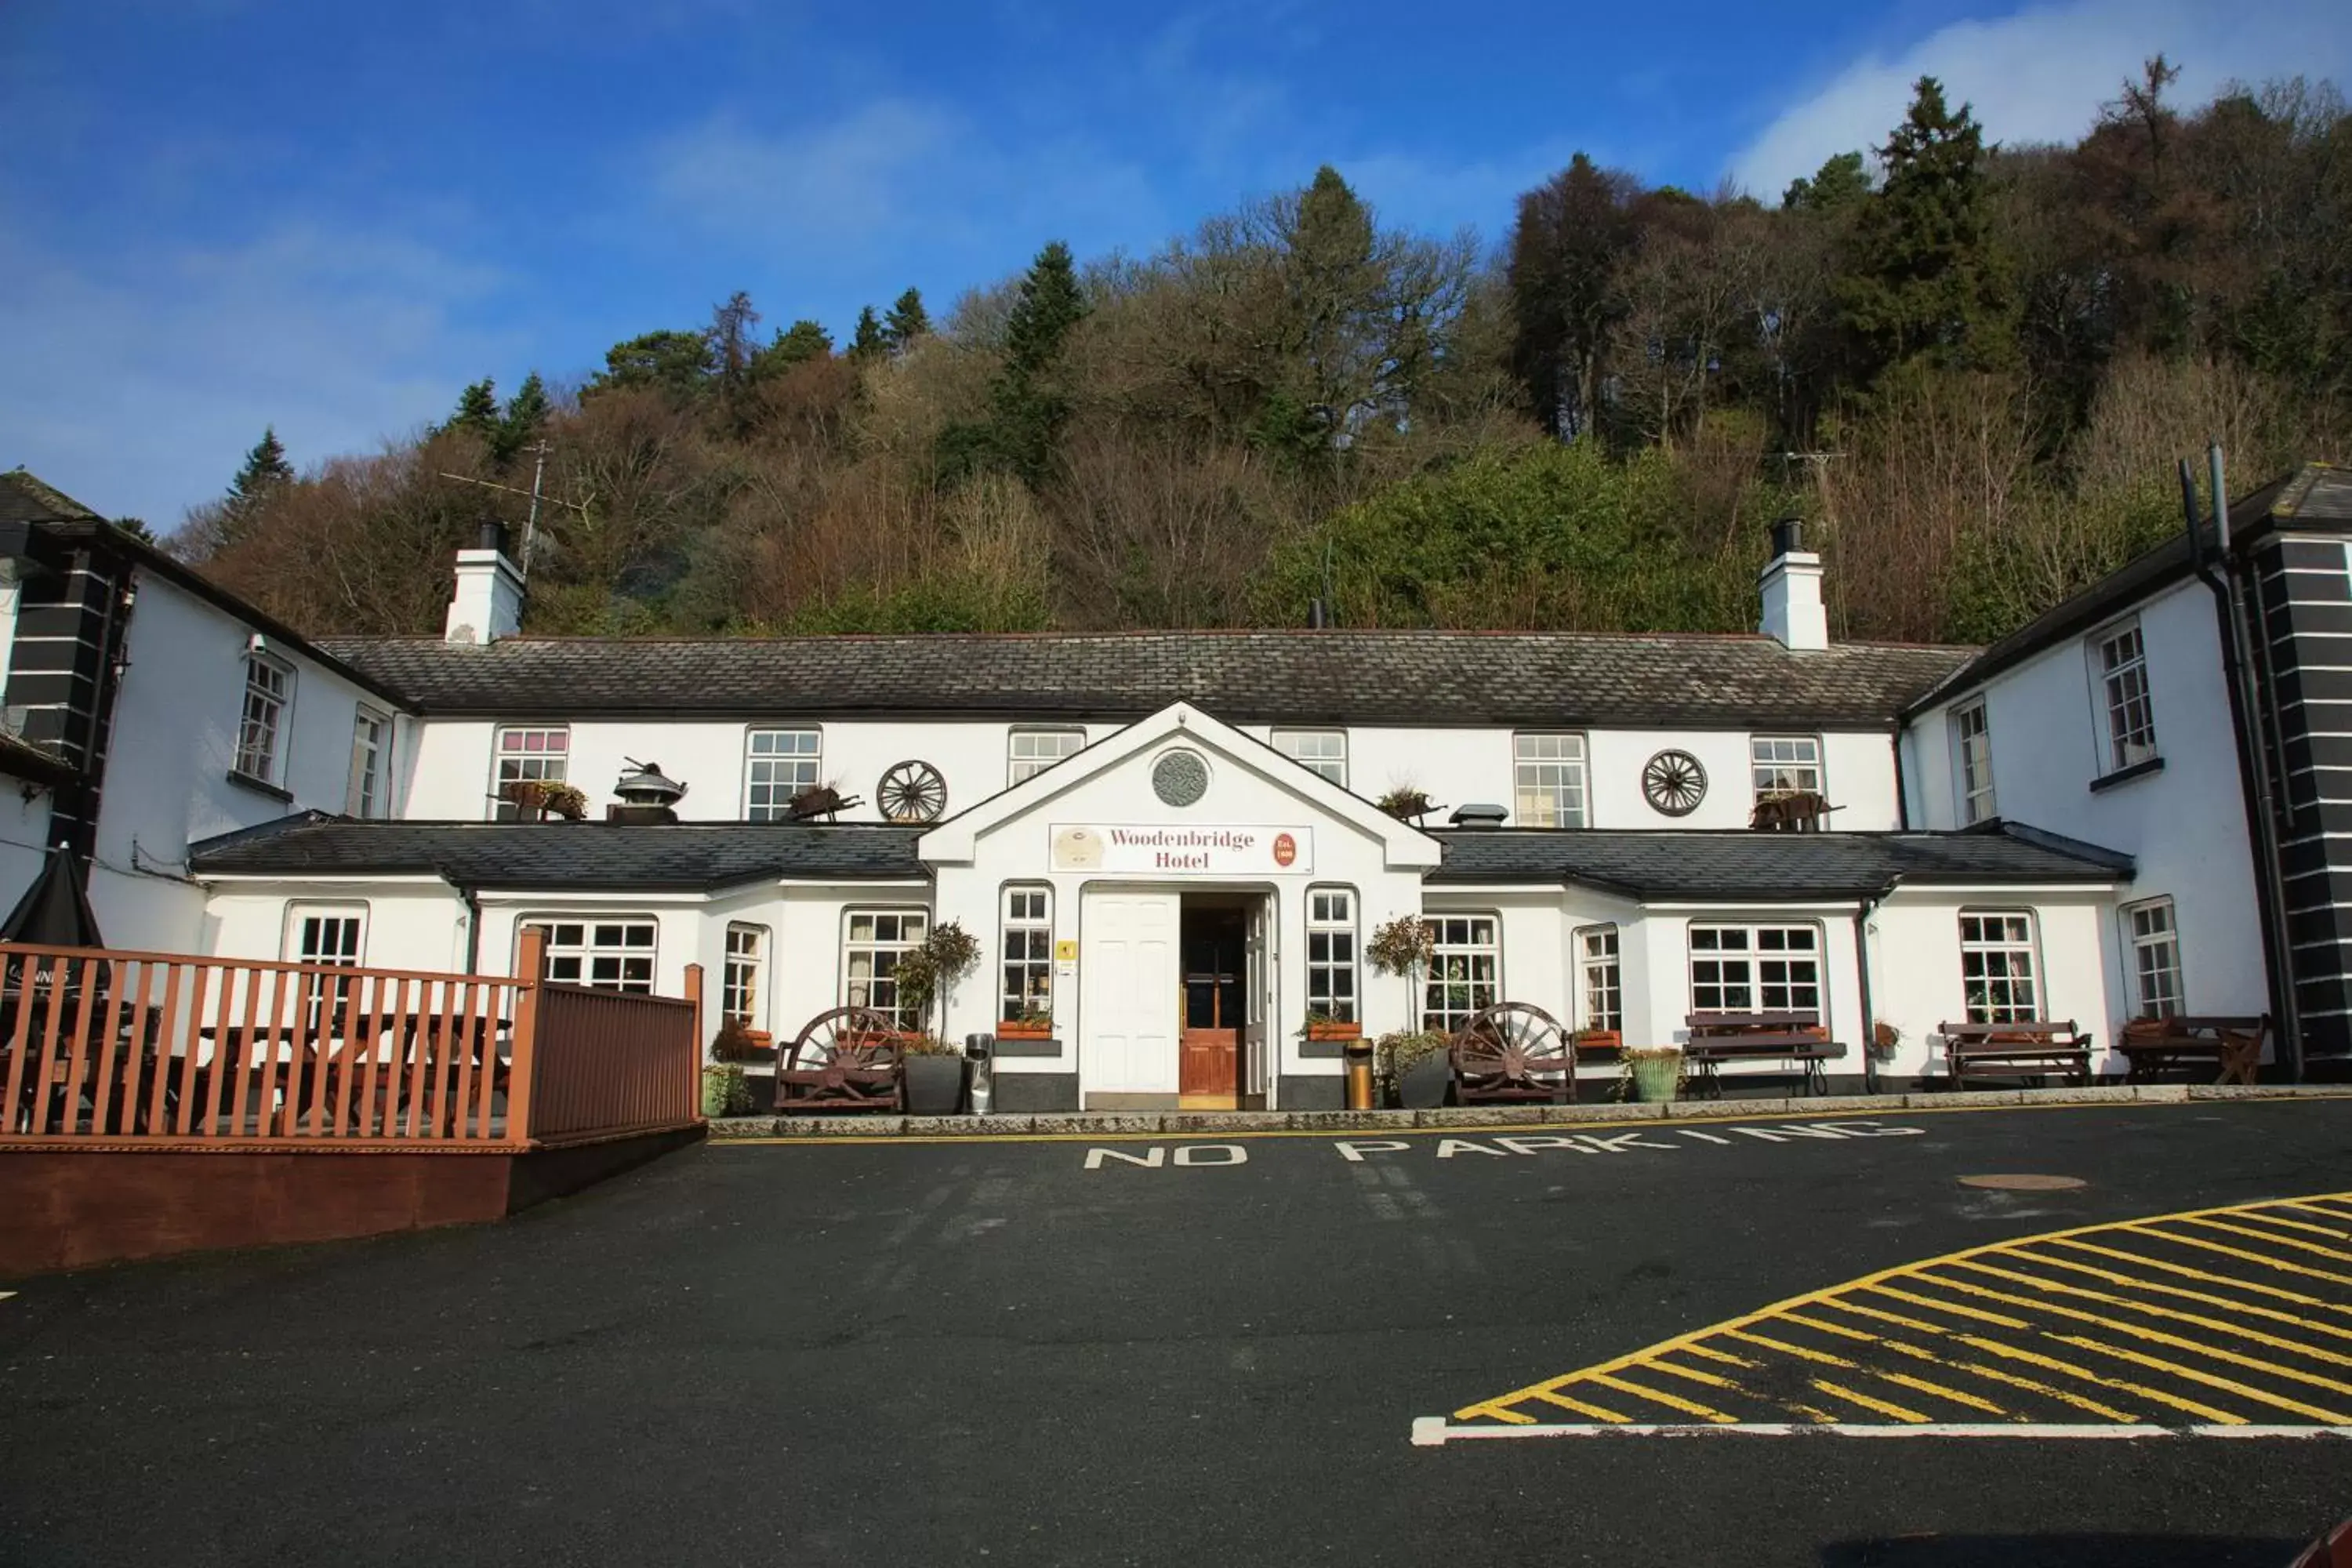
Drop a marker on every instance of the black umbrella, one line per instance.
(55, 911)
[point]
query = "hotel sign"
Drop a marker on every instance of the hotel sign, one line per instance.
(1163, 851)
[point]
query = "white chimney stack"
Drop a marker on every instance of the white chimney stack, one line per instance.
(1792, 584)
(488, 604)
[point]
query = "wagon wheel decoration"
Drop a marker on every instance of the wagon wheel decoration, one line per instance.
(1512, 1050)
(912, 792)
(850, 1059)
(1675, 782)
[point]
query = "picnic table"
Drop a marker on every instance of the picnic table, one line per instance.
(1716, 1038)
(2234, 1045)
(2016, 1047)
(58, 1008)
(330, 1049)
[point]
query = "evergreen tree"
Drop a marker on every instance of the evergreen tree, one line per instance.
(803, 341)
(526, 412)
(1925, 278)
(477, 411)
(906, 322)
(868, 341)
(264, 473)
(137, 529)
(1334, 287)
(1030, 403)
(1838, 184)
(678, 362)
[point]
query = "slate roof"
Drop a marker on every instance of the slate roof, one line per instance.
(576, 855)
(1403, 678)
(24, 499)
(1768, 867)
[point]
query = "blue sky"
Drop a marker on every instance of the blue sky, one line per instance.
(221, 215)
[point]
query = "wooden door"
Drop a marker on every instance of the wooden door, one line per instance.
(1127, 1040)
(1210, 997)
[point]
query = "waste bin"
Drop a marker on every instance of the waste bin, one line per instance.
(981, 1051)
(1359, 1056)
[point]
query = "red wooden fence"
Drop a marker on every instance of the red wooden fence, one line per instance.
(145, 1048)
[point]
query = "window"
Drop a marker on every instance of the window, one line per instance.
(1997, 968)
(335, 935)
(1467, 975)
(1027, 984)
(611, 952)
(371, 738)
(1550, 780)
(2154, 944)
(869, 956)
(2121, 661)
(539, 754)
(739, 987)
(1031, 751)
(1755, 969)
(1785, 765)
(1324, 750)
(1972, 756)
(1604, 997)
(777, 765)
(1331, 954)
(268, 689)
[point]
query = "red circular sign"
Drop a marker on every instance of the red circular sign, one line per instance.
(1286, 850)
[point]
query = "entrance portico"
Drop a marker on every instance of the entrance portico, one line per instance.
(1179, 858)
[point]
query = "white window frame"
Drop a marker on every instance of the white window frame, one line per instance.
(366, 795)
(2124, 698)
(1323, 752)
(789, 771)
(601, 955)
(1763, 966)
(1031, 749)
(1466, 974)
(1993, 955)
(2152, 953)
(265, 719)
(503, 810)
(861, 990)
(1334, 976)
(743, 975)
(1768, 770)
(1024, 970)
(296, 950)
(1973, 799)
(1601, 978)
(1549, 786)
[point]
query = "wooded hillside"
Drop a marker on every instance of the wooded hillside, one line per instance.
(1973, 368)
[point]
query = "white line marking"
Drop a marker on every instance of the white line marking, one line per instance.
(1434, 1431)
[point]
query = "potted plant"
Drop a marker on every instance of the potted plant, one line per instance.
(1324, 1025)
(1599, 1042)
(1412, 1066)
(1406, 802)
(934, 1072)
(1036, 1023)
(724, 1092)
(1654, 1074)
(1884, 1038)
(1405, 946)
(735, 1042)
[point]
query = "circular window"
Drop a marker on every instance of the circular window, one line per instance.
(1674, 782)
(1179, 778)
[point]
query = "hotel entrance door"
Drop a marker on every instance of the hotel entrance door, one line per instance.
(1213, 1007)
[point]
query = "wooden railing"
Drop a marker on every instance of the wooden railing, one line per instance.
(144, 1047)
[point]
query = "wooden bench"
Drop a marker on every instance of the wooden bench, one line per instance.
(2233, 1047)
(1798, 1037)
(2022, 1047)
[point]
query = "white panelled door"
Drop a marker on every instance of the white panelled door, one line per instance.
(1127, 993)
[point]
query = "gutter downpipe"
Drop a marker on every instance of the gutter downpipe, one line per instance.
(1861, 914)
(2253, 756)
(471, 897)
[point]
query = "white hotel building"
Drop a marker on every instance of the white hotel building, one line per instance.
(1152, 832)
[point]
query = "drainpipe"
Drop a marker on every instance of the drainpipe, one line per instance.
(2259, 788)
(1902, 790)
(1861, 914)
(471, 897)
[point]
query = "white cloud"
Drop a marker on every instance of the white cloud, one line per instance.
(136, 379)
(2040, 74)
(839, 182)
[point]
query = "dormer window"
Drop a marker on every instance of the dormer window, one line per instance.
(1972, 761)
(269, 692)
(2119, 664)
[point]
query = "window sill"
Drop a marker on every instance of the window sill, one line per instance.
(260, 787)
(2125, 775)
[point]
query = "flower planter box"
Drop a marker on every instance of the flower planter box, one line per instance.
(1013, 1030)
(1330, 1030)
(1599, 1044)
(1425, 1084)
(934, 1085)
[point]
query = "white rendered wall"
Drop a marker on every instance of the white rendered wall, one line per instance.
(2186, 825)
(1915, 984)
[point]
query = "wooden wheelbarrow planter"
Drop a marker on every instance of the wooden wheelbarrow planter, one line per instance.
(1512, 1052)
(852, 1059)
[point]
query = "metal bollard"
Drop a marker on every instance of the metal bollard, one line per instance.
(1358, 1056)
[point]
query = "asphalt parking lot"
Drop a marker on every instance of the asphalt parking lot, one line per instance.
(1182, 1350)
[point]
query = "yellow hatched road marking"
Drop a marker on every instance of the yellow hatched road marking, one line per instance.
(2203, 1322)
(1671, 1400)
(2337, 1253)
(1877, 1406)
(1594, 1411)
(2298, 1225)
(1815, 1323)
(1976, 1369)
(1694, 1376)
(1800, 1351)
(2186, 1272)
(2156, 1363)
(1709, 1352)
(2270, 1314)
(1921, 1385)
(2239, 1252)
(1955, 1308)
(2051, 1363)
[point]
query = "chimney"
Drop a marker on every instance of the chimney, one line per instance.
(1792, 584)
(488, 604)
